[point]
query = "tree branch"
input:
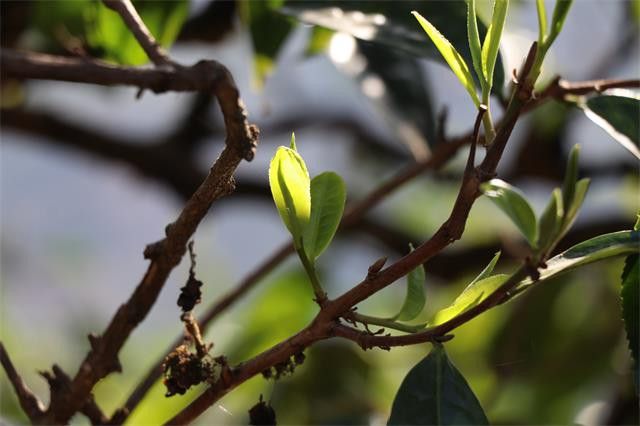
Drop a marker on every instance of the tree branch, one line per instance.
(30, 403)
(145, 39)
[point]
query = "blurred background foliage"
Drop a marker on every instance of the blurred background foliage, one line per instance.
(90, 175)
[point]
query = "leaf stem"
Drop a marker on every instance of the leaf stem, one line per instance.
(310, 269)
(386, 322)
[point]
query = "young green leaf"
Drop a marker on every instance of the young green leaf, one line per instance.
(618, 116)
(542, 21)
(328, 195)
(487, 270)
(474, 42)
(290, 187)
(592, 250)
(511, 201)
(451, 55)
(415, 299)
(571, 211)
(560, 12)
(435, 393)
(470, 297)
(491, 44)
(570, 177)
(550, 223)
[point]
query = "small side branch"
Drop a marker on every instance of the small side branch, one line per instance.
(145, 39)
(30, 403)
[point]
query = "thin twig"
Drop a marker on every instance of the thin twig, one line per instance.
(145, 39)
(31, 405)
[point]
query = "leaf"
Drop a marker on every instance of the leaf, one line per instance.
(571, 212)
(542, 21)
(618, 116)
(269, 29)
(111, 39)
(451, 56)
(560, 12)
(511, 201)
(491, 44)
(290, 187)
(570, 177)
(550, 223)
(487, 270)
(597, 248)
(328, 195)
(470, 297)
(474, 41)
(390, 23)
(630, 296)
(435, 393)
(415, 298)
(630, 306)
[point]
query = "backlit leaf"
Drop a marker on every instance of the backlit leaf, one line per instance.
(511, 201)
(491, 44)
(618, 116)
(487, 270)
(415, 298)
(328, 195)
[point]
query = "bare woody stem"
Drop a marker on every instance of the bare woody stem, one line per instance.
(30, 403)
(323, 325)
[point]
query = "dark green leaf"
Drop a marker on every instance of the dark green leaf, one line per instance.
(268, 29)
(470, 297)
(435, 393)
(618, 116)
(511, 201)
(390, 23)
(328, 195)
(630, 296)
(487, 270)
(415, 299)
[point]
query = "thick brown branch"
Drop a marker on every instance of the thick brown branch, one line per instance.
(145, 39)
(30, 403)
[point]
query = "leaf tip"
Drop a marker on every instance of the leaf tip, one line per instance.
(292, 145)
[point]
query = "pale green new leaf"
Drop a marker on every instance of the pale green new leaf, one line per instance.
(487, 270)
(451, 55)
(290, 187)
(542, 21)
(592, 250)
(570, 176)
(415, 299)
(511, 201)
(328, 195)
(550, 222)
(557, 21)
(491, 44)
(571, 211)
(470, 297)
(474, 41)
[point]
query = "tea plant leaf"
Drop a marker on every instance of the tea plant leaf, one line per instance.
(451, 56)
(290, 187)
(511, 201)
(474, 42)
(491, 44)
(560, 12)
(328, 195)
(630, 307)
(542, 21)
(618, 116)
(487, 270)
(435, 393)
(570, 177)
(415, 298)
(550, 222)
(470, 297)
